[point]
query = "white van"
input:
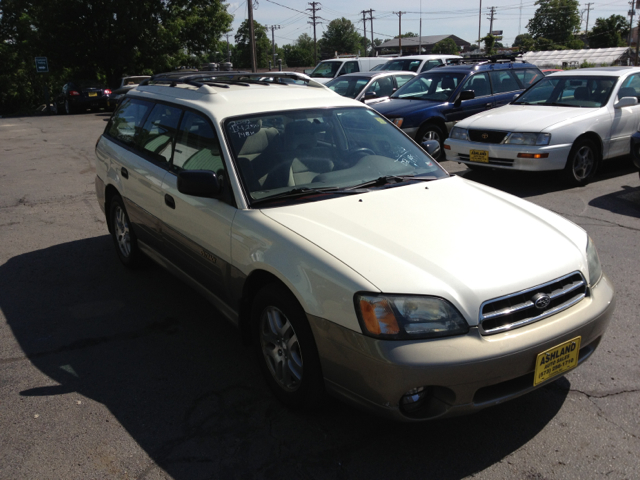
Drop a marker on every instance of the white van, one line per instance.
(334, 67)
(418, 63)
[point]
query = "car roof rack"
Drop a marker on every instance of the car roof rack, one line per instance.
(224, 79)
(502, 58)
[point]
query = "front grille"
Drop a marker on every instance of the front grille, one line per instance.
(519, 309)
(486, 136)
(505, 162)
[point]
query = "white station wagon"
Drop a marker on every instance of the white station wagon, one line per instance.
(569, 121)
(350, 260)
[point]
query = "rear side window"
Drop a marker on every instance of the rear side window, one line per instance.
(504, 81)
(350, 67)
(126, 121)
(156, 137)
(529, 76)
(197, 146)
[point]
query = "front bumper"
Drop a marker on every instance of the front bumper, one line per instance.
(506, 156)
(462, 374)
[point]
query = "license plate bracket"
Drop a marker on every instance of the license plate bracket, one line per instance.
(479, 156)
(556, 360)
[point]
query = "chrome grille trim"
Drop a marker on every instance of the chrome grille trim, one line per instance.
(565, 291)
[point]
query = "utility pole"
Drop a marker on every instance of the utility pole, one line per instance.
(252, 40)
(631, 12)
(490, 17)
(480, 26)
(371, 18)
(315, 6)
(364, 27)
(586, 30)
(399, 29)
(273, 42)
(228, 34)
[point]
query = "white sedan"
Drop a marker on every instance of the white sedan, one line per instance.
(568, 121)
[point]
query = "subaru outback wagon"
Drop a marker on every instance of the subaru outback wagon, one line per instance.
(350, 260)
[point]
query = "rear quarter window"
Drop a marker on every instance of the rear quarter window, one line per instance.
(127, 120)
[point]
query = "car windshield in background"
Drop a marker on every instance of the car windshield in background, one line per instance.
(578, 91)
(322, 149)
(326, 70)
(348, 86)
(436, 86)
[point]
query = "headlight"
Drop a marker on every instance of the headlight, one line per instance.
(403, 317)
(593, 262)
(397, 122)
(458, 133)
(517, 138)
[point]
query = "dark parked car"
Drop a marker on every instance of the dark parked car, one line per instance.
(79, 96)
(126, 84)
(428, 106)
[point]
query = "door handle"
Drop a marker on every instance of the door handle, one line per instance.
(124, 172)
(168, 199)
(489, 105)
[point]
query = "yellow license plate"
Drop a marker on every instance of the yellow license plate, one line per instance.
(481, 156)
(557, 360)
(93, 94)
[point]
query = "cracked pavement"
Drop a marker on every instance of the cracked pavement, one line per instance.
(107, 373)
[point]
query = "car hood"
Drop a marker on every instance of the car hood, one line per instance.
(450, 238)
(399, 107)
(524, 118)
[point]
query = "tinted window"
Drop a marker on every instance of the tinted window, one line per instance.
(504, 81)
(159, 130)
(433, 85)
(126, 121)
(429, 64)
(528, 76)
(479, 83)
(400, 64)
(382, 87)
(348, 86)
(630, 87)
(197, 146)
(402, 79)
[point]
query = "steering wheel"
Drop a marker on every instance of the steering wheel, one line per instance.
(363, 150)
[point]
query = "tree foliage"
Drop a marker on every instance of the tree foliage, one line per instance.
(609, 32)
(340, 36)
(446, 46)
(525, 41)
(555, 20)
(101, 39)
(301, 53)
(243, 47)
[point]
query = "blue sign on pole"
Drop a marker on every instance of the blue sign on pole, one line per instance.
(42, 66)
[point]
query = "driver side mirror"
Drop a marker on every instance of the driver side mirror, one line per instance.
(432, 147)
(199, 183)
(465, 95)
(369, 96)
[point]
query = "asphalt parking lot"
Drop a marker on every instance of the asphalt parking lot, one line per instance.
(109, 373)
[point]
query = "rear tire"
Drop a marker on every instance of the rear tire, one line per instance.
(285, 348)
(582, 162)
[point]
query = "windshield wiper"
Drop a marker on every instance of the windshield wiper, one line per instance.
(387, 179)
(304, 191)
(556, 104)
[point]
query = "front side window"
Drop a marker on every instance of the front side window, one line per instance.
(402, 64)
(382, 87)
(326, 70)
(351, 67)
(429, 64)
(402, 79)
(504, 81)
(433, 85)
(197, 146)
(156, 137)
(318, 149)
(630, 87)
(574, 91)
(127, 120)
(479, 83)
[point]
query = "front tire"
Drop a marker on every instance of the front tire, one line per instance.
(285, 348)
(432, 132)
(123, 237)
(582, 162)
(68, 109)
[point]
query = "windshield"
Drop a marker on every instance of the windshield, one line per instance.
(574, 91)
(348, 86)
(321, 148)
(437, 86)
(326, 70)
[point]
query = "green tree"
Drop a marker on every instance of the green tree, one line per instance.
(243, 48)
(609, 32)
(555, 20)
(340, 36)
(446, 46)
(524, 41)
(407, 35)
(301, 53)
(489, 44)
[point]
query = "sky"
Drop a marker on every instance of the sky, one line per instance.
(455, 17)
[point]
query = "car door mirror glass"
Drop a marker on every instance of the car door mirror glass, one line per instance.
(199, 183)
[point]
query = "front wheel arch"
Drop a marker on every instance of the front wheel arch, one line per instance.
(583, 160)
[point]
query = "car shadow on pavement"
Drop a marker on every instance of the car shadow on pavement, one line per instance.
(531, 184)
(181, 383)
(624, 202)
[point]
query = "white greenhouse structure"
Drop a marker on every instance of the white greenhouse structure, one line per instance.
(599, 57)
